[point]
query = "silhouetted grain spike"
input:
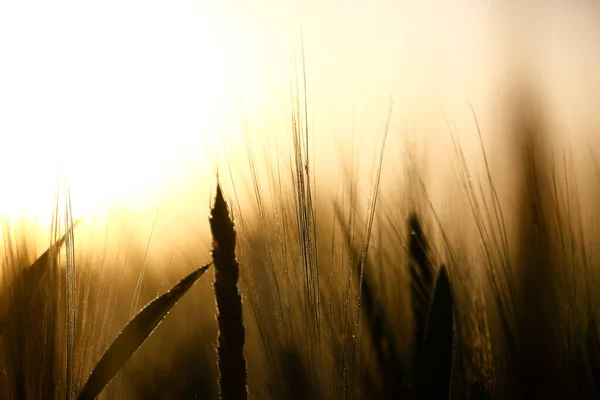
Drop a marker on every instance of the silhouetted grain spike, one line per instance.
(422, 278)
(137, 330)
(435, 364)
(230, 347)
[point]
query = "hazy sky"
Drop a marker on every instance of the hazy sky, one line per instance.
(125, 95)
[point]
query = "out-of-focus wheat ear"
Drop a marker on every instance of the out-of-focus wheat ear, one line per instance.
(422, 278)
(135, 333)
(31, 278)
(435, 364)
(381, 333)
(230, 346)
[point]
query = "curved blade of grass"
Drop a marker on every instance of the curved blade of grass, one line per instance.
(135, 333)
(433, 381)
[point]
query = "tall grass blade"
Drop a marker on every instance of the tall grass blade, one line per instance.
(435, 369)
(137, 330)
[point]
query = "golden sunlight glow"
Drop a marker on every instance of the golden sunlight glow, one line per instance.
(131, 101)
(123, 100)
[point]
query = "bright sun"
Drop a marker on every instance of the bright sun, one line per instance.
(123, 105)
